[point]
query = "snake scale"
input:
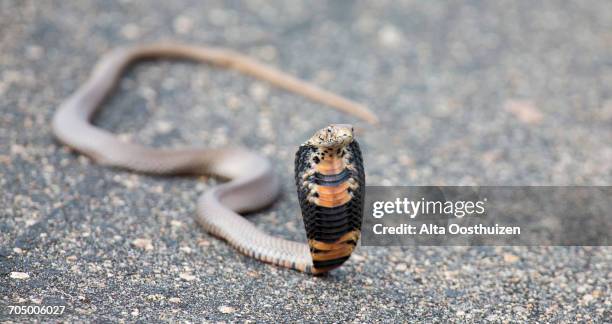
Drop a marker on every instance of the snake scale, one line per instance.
(329, 168)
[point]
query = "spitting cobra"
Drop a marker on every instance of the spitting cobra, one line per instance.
(329, 168)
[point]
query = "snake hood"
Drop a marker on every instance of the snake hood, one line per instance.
(330, 182)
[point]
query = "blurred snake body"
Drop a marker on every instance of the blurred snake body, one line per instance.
(329, 170)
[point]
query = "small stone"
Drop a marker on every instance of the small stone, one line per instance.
(129, 182)
(125, 137)
(175, 223)
(187, 276)
(253, 274)
(490, 156)
(525, 111)
(233, 102)
(143, 243)
(135, 312)
(71, 258)
(389, 36)
(163, 127)
(19, 275)
(259, 92)
(155, 297)
(401, 267)
(5, 159)
(405, 160)
(358, 258)
(17, 149)
(174, 300)
(185, 249)
(510, 258)
(588, 298)
(17, 250)
(519, 310)
(203, 242)
(514, 279)
(582, 289)
(130, 31)
(182, 24)
(83, 160)
(226, 309)
(35, 52)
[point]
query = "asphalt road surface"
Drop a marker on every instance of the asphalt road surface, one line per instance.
(469, 93)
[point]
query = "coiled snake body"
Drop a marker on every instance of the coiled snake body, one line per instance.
(330, 190)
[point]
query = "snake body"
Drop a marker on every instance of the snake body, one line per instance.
(251, 183)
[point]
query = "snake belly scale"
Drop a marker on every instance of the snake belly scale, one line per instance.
(335, 182)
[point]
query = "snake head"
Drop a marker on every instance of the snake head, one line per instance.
(333, 136)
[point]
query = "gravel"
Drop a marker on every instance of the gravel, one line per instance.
(469, 92)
